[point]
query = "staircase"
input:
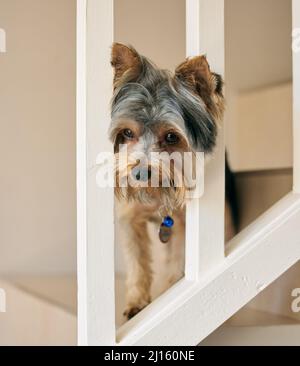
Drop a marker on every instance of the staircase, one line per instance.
(256, 328)
(42, 311)
(216, 285)
(39, 311)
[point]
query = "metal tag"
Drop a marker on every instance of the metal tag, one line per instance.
(165, 233)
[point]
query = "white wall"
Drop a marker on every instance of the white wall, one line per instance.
(37, 139)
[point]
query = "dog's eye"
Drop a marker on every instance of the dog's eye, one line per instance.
(128, 134)
(171, 138)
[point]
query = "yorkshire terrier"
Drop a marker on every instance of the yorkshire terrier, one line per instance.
(154, 110)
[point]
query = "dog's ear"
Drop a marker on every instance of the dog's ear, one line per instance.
(126, 63)
(196, 74)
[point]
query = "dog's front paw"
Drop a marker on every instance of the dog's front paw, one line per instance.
(135, 308)
(131, 312)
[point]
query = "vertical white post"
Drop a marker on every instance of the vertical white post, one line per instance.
(2, 41)
(296, 93)
(96, 304)
(81, 174)
(205, 216)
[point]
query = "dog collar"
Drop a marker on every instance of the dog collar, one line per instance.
(165, 230)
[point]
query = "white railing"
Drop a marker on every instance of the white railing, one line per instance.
(96, 319)
(214, 287)
(296, 99)
(205, 216)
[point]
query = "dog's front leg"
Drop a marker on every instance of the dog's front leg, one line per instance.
(138, 262)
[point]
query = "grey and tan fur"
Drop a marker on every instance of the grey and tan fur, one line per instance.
(156, 110)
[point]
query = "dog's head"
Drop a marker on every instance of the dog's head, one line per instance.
(154, 110)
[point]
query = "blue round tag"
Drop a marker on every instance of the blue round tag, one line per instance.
(168, 221)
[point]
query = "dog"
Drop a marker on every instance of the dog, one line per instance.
(156, 111)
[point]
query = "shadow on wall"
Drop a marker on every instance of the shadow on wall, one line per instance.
(37, 142)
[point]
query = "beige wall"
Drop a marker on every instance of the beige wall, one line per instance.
(258, 43)
(37, 192)
(259, 118)
(258, 191)
(258, 57)
(155, 28)
(37, 106)
(37, 139)
(259, 130)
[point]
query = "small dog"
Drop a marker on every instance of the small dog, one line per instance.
(154, 110)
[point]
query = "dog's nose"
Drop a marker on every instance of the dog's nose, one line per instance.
(141, 174)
